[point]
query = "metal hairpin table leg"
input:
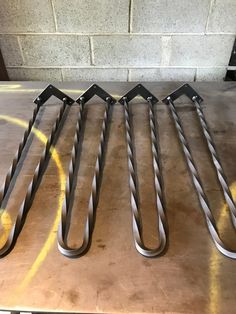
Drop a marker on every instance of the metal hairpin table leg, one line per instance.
(41, 167)
(211, 224)
(72, 178)
(135, 204)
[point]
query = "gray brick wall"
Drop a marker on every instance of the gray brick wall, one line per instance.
(118, 40)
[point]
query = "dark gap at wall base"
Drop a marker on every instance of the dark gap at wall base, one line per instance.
(231, 74)
(3, 71)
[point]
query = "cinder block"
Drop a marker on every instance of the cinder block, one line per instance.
(150, 16)
(127, 50)
(26, 16)
(10, 50)
(93, 74)
(34, 74)
(210, 50)
(211, 74)
(162, 74)
(92, 16)
(223, 17)
(58, 50)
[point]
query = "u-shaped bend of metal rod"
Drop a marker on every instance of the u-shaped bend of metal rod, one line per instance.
(41, 167)
(72, 178)
(211, 224)
(135, 204)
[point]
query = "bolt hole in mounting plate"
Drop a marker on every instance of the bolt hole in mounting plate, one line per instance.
(141, 91)
(185, 89)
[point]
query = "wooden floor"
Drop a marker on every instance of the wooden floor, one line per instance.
(192, 277)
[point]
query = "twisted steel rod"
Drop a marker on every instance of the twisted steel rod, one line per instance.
(133, 183)
(64, 248)
(211, 224)
(216, 161)
(33, 186)
(15, 162)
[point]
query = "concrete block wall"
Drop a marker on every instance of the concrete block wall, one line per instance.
(117, 40)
